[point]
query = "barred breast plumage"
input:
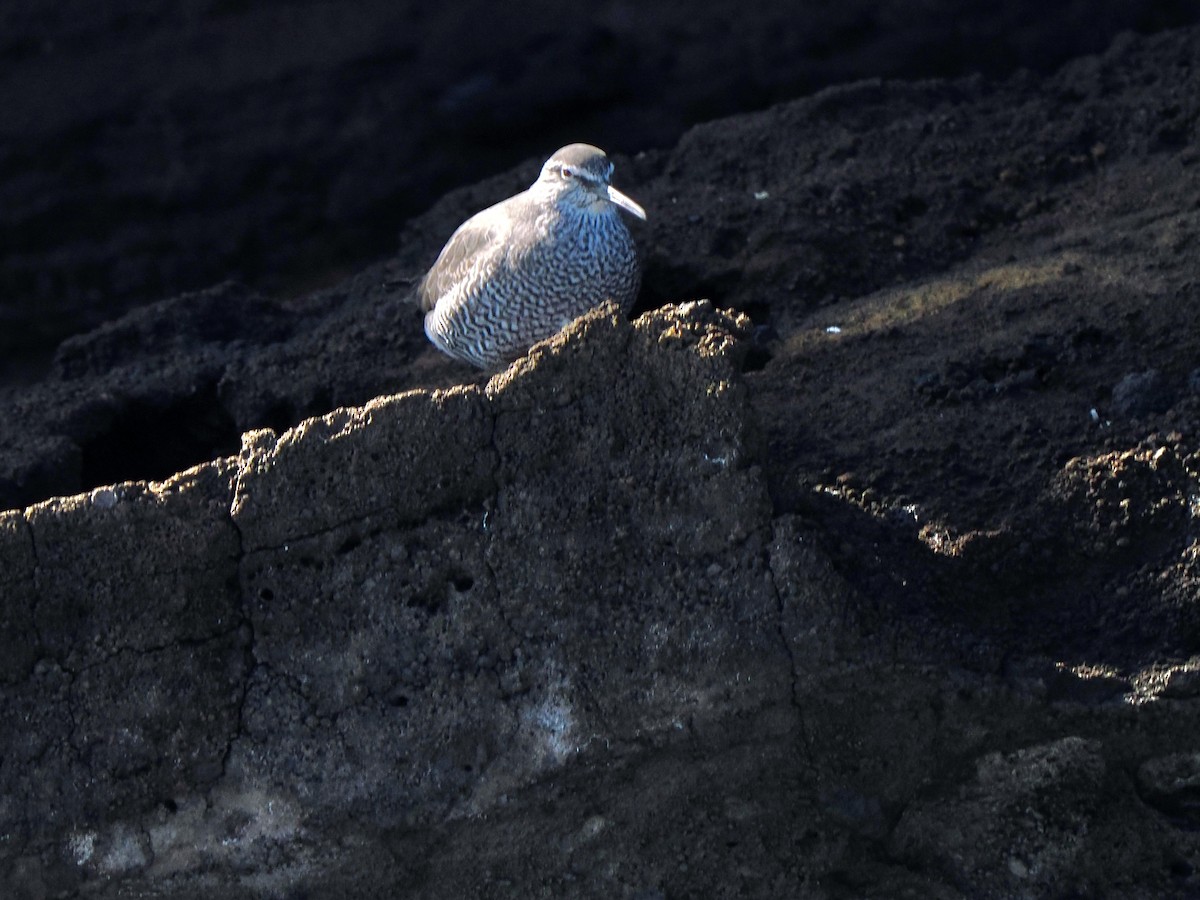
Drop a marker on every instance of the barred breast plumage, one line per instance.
(517, 272)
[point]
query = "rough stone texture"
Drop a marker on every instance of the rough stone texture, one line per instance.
(93, 549)
(1170, 784)
(418, 586)
(17, 594)
(150, 148)
(1034, 804)
(877, 587)
(140, 667)
(395, 456)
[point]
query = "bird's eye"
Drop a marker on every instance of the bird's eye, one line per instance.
(568, 173)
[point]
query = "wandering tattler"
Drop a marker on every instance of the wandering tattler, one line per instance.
(519, 271)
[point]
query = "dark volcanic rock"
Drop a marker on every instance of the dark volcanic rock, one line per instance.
(17, 564)
(1139, 393)
(868, 589)
(152, 148)
(417, 628)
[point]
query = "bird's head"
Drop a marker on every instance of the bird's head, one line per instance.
(578, 174)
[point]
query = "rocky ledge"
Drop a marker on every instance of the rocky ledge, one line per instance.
(863, 561)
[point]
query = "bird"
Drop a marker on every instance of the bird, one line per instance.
(518, 272)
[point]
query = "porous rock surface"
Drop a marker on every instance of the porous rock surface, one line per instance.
(392, 617)
(872, 574)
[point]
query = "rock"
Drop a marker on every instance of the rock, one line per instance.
(433, 641)
(17, 597)
(1171, 784)
(315, 136)
(136, 635)
(1140, 393)
(876, 606)
(1023, 819)
(1119, 500)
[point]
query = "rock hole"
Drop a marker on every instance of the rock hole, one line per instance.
(463, 583)
(399, 701)
(266, 594)
(146, 441)
(349, 544)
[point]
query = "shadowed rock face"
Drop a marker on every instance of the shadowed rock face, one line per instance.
(391, 616)
(883, 585)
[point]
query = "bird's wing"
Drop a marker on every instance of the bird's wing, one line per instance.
(476, 245)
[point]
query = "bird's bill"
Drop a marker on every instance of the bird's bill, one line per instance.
(625, 203)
